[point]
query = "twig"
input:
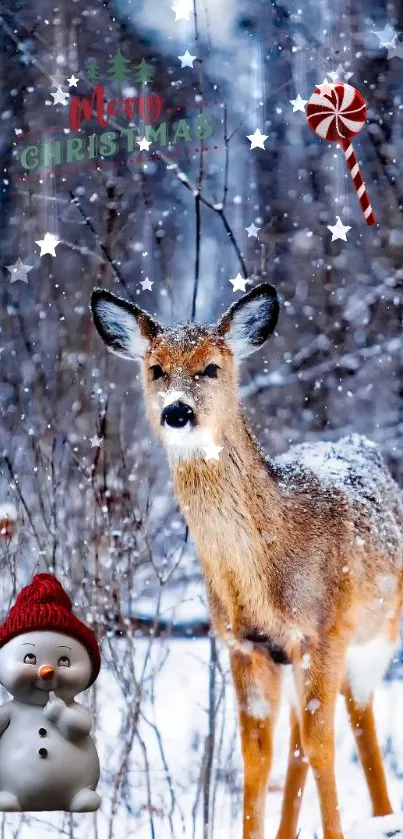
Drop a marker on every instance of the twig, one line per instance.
(132, 719)
(149, 802)
(166, 769)
(349, 360)
(104, 248)
(16, 484)
(226, 165)
(197, 192)
(209, 743)
(197, 255)
(217, 208)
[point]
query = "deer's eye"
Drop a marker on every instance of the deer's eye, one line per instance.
(157, 372)
(64, 661)
(29, 658)
(211, 371)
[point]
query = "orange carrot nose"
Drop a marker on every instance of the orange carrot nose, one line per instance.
(46, 672)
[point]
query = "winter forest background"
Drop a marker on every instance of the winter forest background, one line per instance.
(103, 518)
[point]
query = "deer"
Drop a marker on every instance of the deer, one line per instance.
(302, 554)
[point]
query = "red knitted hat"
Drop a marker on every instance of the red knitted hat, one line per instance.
(45, 605)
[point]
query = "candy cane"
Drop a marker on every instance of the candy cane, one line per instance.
(358, 181)
(336, 112)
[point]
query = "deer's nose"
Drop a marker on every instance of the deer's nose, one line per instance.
(46, 672)
(177, 415)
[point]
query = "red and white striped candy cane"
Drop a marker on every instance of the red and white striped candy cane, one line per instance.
(336, 112)
(358, 181)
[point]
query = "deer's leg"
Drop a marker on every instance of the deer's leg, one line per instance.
(320, 687)
(294, 783)
(363, 726)
(257, 684)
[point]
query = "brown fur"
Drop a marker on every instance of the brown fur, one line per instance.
(273, 559)
(363, 727)
(289, 555)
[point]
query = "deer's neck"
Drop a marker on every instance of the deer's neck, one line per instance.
(235, 494)
(233, 509)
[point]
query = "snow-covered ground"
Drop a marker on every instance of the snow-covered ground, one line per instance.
(160, 795)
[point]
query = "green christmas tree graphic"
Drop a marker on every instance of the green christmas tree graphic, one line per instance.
(92, 71)
(118, 71)
(144, 72)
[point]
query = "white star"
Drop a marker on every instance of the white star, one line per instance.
(340, 74)
(182, 9)
(298, 104)
(146, 284)
(144, 144)
(48, 244)
(60, 97)
(257, 139)
(212, 451)
(385, 35)
(252, 230)
(96, 441)
(239, 283)
(72, 81)
(187, 59)
(325, 88)
(338, 230)
(19, 271)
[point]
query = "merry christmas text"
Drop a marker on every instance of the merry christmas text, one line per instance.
(110, 143)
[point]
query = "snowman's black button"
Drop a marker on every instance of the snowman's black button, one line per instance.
(43, 732)
(43, 752)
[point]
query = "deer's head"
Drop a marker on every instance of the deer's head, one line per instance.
(189, 370)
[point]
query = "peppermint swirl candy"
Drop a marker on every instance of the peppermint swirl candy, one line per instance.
(336, 113)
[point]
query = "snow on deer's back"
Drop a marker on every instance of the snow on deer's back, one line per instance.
(355, 467)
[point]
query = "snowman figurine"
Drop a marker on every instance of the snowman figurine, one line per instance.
(48, 760)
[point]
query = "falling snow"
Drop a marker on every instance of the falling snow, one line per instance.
(84, 487)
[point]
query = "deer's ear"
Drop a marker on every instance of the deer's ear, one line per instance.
(249, 322)
(126, 329)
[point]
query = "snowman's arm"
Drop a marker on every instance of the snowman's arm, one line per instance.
(5, 717)
(75, 722)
